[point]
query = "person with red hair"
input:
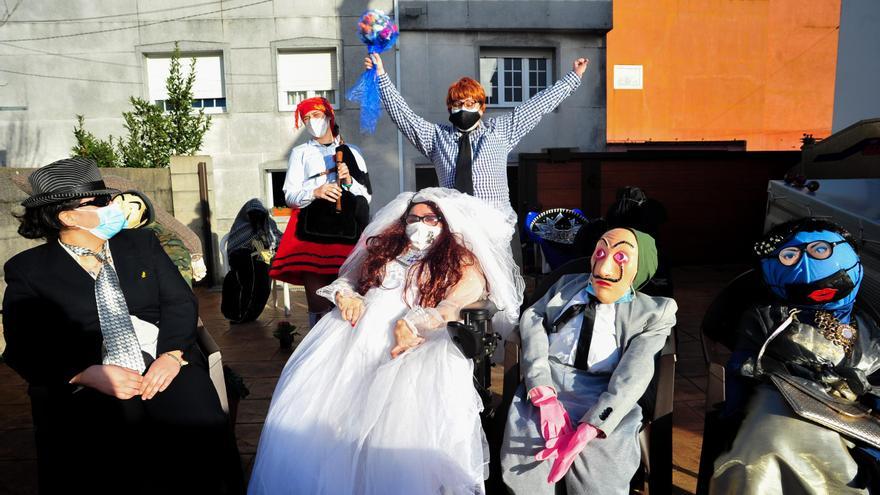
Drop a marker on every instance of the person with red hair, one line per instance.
(471, 154)
(313, 175)
(377, 399)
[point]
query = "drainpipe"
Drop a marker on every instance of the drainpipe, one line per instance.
(397, 83)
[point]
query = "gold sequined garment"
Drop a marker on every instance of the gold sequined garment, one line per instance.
(839, 333)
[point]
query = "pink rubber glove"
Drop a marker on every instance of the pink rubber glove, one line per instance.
(566, 450)
(554, 418)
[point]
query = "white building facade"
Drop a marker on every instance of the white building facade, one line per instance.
(257, 58)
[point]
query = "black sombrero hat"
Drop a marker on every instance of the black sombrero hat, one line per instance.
(70, 178)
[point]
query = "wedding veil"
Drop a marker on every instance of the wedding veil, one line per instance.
(483, 229)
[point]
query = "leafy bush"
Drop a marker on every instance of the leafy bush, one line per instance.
(153, 135)
(148, 143)
(186, 129)
(90, 146)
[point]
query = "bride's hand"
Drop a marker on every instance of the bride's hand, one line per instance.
(351, 308)
(405, 339)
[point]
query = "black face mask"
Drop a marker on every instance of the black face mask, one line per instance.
(464, 119)
(829, 289)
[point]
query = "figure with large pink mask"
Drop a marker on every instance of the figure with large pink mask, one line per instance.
(589, 347)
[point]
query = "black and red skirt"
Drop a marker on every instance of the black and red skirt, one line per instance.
(296, 256)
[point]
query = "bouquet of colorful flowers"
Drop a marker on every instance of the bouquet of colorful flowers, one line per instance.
(379, 33)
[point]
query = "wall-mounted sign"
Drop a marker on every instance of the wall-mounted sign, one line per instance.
(628, 77)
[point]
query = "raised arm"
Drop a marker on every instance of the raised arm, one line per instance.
(417, 130)
(525, 117)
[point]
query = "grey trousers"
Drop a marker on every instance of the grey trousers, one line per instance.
(605, 466)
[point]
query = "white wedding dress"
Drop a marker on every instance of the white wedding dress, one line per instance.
(345, 418)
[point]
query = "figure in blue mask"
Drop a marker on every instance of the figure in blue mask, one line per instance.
(813, 347)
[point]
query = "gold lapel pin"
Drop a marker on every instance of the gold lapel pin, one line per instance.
(143, 274)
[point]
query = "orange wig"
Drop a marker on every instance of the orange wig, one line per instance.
(463, 89)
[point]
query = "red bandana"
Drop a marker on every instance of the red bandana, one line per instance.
(317, 103)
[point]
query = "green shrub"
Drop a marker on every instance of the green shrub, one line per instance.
(153, 134)
(186, 128)
(103, 152)
(148, 142)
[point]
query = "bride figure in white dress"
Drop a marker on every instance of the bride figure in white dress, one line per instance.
(377, 399)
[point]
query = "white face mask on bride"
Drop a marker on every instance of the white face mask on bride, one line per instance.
(422, 235)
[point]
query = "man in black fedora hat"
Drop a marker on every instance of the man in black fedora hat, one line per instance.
(102, 326)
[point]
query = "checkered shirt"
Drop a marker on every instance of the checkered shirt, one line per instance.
(491, 142)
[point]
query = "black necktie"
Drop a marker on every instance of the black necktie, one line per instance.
(583, 347)
(464, 180)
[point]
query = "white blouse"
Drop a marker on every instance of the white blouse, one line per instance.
(312, 158)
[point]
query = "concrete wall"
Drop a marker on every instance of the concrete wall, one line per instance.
(48, 76)
(856, 94)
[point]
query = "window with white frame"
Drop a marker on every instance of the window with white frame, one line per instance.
(305, 74)
(208, 89)
(512, 77)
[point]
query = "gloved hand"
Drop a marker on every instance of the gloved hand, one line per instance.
(554, 418)
(566, 449)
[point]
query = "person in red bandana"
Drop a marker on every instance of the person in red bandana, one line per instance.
(313, 175)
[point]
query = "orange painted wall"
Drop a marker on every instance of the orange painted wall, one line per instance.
(758, 70)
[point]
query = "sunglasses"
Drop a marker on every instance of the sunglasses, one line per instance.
(818, 250)
(99, 201)
(431, 220)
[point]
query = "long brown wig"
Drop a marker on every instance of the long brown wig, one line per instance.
(437, 272)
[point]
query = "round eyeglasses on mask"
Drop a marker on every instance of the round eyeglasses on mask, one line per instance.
(818, 250)
(467, 104)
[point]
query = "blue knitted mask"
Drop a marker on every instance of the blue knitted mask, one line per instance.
(830, 284)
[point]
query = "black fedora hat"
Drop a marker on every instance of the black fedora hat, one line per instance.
(70, 178)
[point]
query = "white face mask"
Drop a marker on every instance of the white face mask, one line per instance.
(317, 126)
(422, 235)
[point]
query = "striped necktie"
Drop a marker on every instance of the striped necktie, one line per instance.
(120, 340)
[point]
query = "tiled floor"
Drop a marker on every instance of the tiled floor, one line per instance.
(252, 352)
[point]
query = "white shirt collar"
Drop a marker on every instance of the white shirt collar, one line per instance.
(314, 142)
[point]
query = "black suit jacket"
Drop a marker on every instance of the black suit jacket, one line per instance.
(50, 316)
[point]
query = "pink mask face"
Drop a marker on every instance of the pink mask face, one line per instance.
(613, 265)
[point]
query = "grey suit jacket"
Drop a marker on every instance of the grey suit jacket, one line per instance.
(642, 326)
